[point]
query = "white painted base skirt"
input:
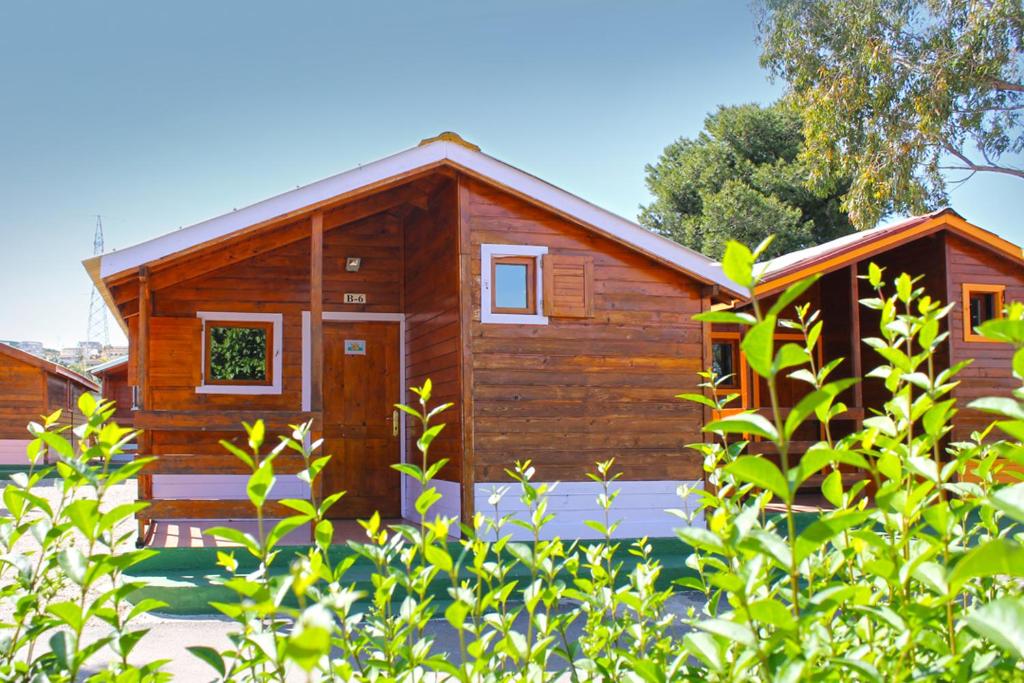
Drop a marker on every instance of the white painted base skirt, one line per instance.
(12, 451)
(222, 487)
(640, 508)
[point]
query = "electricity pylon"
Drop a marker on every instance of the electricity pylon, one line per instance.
(97, 330)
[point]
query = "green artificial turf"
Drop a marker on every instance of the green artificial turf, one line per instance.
(189, 580)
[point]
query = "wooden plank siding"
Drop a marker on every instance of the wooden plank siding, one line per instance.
(33, 388)
(579, 390)
(991, 372)
(431, 304)
(24, 397)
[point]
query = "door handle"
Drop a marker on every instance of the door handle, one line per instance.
(394, 422)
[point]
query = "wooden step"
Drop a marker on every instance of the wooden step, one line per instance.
(221, 420)
(225, 463)
(211, 509)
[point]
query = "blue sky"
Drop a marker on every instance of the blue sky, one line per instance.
(159, 115)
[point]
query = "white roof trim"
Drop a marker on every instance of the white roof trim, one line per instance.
(404, 162)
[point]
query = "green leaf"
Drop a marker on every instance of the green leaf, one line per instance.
(757, 344)
(1010, 500)
(84, 515)
(726, 317)
(738, 264)
(232, 535)
(284, 527)
(210, 656)
(62, 645)
(760, 472)
(705, 648)
(73, 562)
(874, 275)
(260, 483)
(804, 407)
(772, 612)
(698, 398)
(427, 437)
(997, 557)
(999, 405)
(299, 505)
(701, 539)
(824, 529)
(744, 423)
(324, 533)
(1004, 330)
(426, 500)
(1002, 622)
(832, 488)
(789, 355)
(730, 630)
(67, 612)
(438, 557)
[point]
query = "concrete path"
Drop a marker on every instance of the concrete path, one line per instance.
(169, 638)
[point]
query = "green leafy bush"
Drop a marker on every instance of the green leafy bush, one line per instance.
(915, 575)
(63, 562)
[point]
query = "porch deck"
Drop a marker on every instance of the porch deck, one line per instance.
(190, 533)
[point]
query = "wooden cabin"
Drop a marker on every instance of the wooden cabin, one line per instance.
(114, 386)
(559, 331)
(959, 262)
(31, 387)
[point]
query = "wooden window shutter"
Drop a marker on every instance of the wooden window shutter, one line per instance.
(133, 350)
(568, 286)
(175, 352)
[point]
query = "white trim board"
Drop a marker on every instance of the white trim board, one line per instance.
(640, 508)
(15, 452)
(490, 251)
(450, 504)
(403, 163)
(354, 316)
(222, 487)
(277, 320)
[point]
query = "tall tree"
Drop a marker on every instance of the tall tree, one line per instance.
(901, 95)
(742, 178)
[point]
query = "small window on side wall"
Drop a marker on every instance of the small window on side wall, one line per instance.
(981, 304)
(725, 362)
(241, 353)
(511, 284)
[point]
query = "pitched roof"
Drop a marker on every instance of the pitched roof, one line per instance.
(49, 366)
(111, 364)
(446, 149)
(823, 258)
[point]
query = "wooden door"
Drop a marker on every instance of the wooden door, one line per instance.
(361, 387)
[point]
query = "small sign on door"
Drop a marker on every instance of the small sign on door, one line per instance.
(355, 298)
(355, 347)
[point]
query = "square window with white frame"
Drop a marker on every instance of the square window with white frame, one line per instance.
(241, 353)
(511, 289)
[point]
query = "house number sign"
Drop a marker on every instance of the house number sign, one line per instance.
(355, 347)
(355, 298)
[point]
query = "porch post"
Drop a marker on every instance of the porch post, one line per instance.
(316, 311)
(316, 338)
(145, 441)
(855, 344)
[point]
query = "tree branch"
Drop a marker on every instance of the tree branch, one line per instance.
(1000, 84)
(969, 165)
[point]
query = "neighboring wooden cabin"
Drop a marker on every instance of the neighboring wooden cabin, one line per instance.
(114, 386)
(560, 332)
(31, 387)
(958, 261)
